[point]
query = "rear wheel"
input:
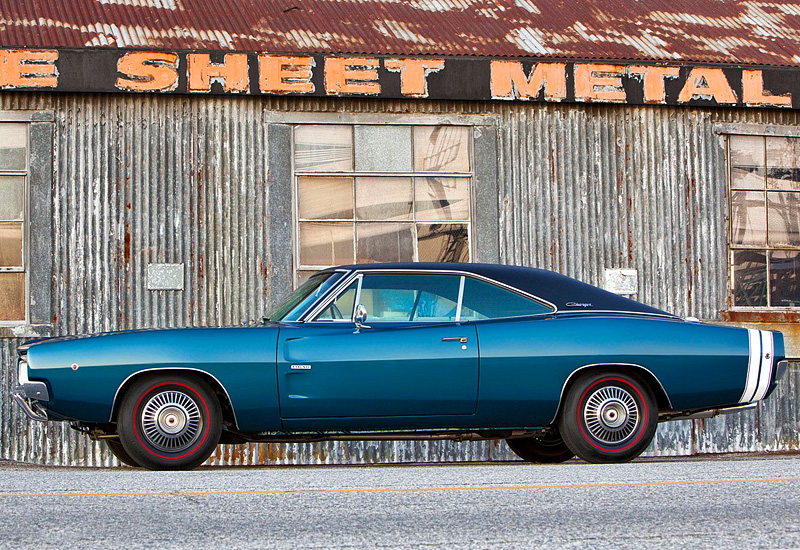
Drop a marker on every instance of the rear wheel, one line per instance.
(609, 417)
(169, 422)
(548, 449)
(119, 451)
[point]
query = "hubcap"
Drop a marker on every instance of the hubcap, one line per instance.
(611, 415)
(171, 421)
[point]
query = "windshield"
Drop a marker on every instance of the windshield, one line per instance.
(293, 306)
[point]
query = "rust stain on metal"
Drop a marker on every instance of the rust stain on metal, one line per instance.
(747, 32)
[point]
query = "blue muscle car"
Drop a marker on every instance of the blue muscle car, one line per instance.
(554, 366)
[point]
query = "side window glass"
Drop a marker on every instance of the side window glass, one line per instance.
(342, 307)
(397, 298)
(484, 300)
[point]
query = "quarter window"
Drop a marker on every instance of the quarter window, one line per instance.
(484, 300)
(13, 177)
(389, 193)
(765, 221)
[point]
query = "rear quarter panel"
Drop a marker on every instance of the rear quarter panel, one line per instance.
(242, 359)
(525, 363)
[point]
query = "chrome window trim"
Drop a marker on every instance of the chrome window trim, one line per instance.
(155, 369)
(325, 300)
(460, 298)
(576, 371)
(333, 293)
(625, 312)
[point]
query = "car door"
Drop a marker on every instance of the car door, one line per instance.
(412, 359)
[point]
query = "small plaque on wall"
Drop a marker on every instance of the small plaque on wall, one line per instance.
(164, 276)
(621, 281)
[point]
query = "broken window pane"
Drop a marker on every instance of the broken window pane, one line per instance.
(442, 198)
(325, 198)
(783, 163)
(383, 148)
(441, 148)
(323, 148)
(11, 245)
(784, 218)
(12, 189)
(784, 275)
(748, 218)
(326, 244)
(13, 146)
(749, 278)
(383, 198)
(440, 242)
(747, 162)
(385, 242)
(12, 296)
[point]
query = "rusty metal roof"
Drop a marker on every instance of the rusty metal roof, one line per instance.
(710, 31)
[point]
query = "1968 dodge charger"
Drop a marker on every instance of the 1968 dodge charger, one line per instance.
(554, 366)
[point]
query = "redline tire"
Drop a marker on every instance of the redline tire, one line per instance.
(169, 422)
(119, 451)
(549, 449)
(608, 417)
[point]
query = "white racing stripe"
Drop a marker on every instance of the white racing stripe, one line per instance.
(768, 356)
(752, 366)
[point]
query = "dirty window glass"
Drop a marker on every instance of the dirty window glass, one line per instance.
(13, 173)
(323, 148)
(381, 193)
(764, 221)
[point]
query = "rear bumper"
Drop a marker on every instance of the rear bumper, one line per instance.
(28, 396)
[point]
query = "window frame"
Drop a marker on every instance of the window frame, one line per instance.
(412, 174)
(311, 316)
(730, 131)
(25, 222)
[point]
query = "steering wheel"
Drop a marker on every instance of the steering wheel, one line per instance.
(336, 313)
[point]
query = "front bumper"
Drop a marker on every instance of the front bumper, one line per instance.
(28, 395)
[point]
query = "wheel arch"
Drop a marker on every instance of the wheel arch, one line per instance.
(646, 375)
(228, 412)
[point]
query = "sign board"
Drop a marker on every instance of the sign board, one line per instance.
(398, 77)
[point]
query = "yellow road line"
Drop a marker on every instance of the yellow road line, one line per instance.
(407, 489)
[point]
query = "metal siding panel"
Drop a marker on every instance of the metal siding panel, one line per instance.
(142, 179)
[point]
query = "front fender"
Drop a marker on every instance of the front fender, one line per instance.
(85, 374)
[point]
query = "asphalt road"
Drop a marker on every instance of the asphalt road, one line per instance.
(698, 503)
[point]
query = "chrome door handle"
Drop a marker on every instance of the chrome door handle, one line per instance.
(460, 339)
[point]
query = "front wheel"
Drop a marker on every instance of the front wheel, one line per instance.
(546, 449)
(169, 422)
(608, 417)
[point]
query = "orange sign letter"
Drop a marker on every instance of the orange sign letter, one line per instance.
(754, 94)
(148, 72)
(414, 74)
(231, 73)
(704, 83)
(351, 75)
(508, 81)
(28, 69)
(599, 83)
(654, 78)
(285, 75)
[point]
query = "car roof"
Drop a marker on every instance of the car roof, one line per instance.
(566, 293)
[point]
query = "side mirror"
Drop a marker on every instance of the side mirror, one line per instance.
(361, 316)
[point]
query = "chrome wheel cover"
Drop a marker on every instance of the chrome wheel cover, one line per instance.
(171, 421)
(611, 415)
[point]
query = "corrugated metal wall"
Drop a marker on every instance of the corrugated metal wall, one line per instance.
(142, 179)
